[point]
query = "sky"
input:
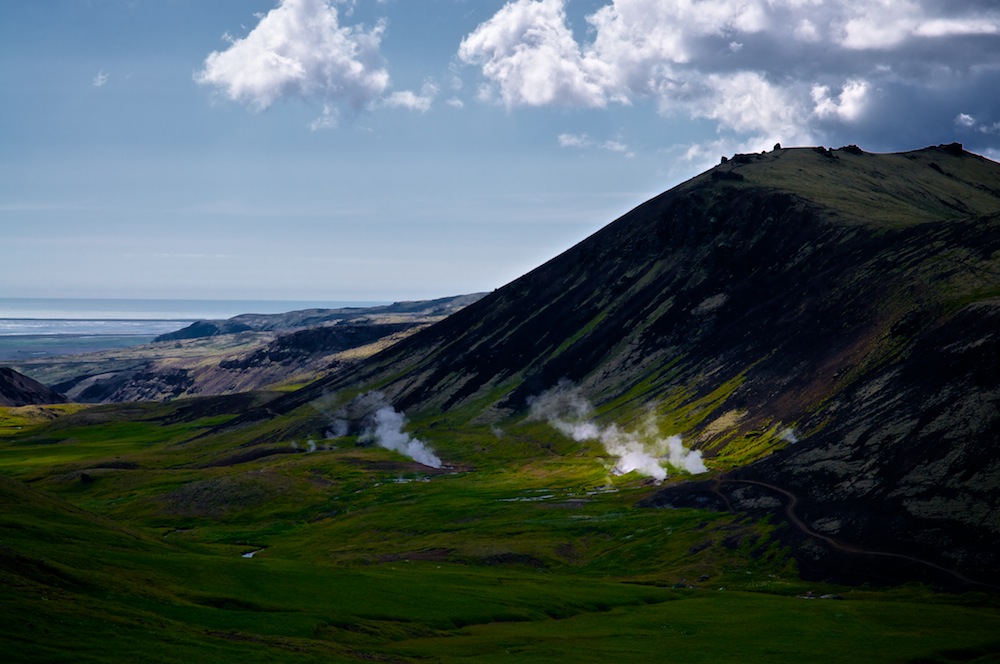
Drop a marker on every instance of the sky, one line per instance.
(383, 150)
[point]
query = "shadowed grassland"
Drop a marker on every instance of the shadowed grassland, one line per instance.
(123, 534)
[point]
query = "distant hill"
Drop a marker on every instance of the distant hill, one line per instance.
(306, 318)
(247, 352)
(829, 317)
(16, 389)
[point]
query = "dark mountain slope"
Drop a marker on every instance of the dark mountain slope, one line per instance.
(724, 277)
(18, 390)
(838, 298)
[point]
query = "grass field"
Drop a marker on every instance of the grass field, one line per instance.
(124, 532)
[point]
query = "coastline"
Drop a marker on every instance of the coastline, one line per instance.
(24, 347)
(35, 328)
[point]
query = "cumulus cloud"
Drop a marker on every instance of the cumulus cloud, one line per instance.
(846, 106)
(101, 79)
(300, 49)
(797, 71)
(530, 53)
(746, 102)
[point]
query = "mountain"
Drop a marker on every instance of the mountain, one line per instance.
(16, 389)
(821, 322)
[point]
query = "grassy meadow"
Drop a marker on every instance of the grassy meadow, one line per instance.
(126, 534)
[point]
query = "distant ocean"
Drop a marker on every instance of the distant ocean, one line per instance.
(39, 327)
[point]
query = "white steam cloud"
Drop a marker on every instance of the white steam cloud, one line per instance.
(385, 429)
(644, 450)
(788, 435)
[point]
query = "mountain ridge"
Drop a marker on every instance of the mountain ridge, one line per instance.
(306, 318)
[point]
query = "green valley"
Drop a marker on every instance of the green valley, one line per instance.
(125, 530)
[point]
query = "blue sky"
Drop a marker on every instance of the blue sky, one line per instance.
(405, 149)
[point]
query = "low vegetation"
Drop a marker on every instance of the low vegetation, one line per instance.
(138, 533)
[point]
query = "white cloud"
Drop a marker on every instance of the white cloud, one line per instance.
(528, 52)
(873, 27)
(965, 120)
(330, 119)
(846, 106)
(408, 99)
(805, 30)
(884, 24)
(959, 26)
(575, 141)
(101, 79)
(411, 100)
(647, 31)
(582, 141)
(794, 71)
(747, 103)
(300, 49)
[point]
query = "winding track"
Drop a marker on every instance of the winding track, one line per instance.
(837, 544)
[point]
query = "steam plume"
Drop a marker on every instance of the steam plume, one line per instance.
(385, 429)
(566, 409)
(788, 434)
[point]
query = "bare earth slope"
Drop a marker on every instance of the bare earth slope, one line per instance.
(844, 300)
